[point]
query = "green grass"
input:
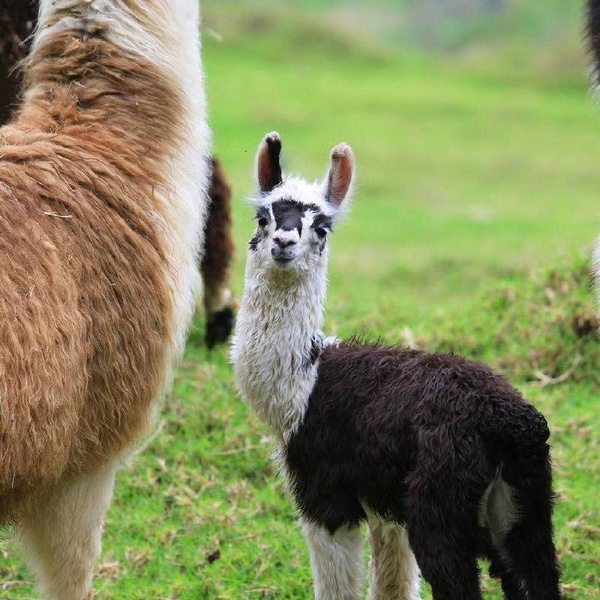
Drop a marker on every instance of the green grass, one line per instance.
(476, 204)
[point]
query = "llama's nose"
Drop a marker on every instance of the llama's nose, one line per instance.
(284, 242)
(283, 249)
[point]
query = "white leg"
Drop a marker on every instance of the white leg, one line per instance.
(62, 535)
(393, 571)
(336, 561)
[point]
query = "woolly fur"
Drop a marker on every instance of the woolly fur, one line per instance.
(281, 314)
(102, 209)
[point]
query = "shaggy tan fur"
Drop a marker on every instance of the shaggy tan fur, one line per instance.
(393, 571)
(17, 20)
(85, 306)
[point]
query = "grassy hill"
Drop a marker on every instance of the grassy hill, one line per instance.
(476, 206)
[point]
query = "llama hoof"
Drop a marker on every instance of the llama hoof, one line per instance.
(218, 327)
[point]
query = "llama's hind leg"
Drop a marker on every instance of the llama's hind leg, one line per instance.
(336, 561)
(442, 508)
(62, 534)
(444, 535)
(446, 563)
(525, 552)
(393, 571)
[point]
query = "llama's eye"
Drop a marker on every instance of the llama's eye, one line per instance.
(263, 222)
(321, 232)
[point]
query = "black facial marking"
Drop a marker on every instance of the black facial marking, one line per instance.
(253, 244)
(262, 213)
(322, 221)
(321, 225)
(263, 216)
(288, 215)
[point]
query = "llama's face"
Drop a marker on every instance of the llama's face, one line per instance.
(294, 218)
(290, 233)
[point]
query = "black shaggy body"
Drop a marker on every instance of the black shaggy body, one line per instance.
(419, 439)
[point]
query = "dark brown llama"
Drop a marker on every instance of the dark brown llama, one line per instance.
(215, 265)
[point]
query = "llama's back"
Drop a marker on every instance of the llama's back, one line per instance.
(400, 388)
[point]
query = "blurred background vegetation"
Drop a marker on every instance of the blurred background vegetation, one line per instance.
(447, 24)
(478, 145)
(475, 132)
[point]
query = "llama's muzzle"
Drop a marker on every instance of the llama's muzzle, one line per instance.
(284, 248)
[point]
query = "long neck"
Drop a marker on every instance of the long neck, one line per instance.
(278, 335)
(121, 81)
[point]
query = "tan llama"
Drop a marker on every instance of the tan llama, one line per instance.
(17, 22)
(102, 209)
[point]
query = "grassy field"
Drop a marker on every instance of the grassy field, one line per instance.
(476, 206)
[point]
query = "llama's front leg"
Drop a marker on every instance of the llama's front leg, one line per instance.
(393, 570)
(336, 561)
(62, 535)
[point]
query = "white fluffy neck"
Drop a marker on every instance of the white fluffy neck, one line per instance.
(279, 318)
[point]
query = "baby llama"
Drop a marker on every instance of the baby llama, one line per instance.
(441, 457)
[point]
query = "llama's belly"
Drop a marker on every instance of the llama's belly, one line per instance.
(333, 485)
(332, 497)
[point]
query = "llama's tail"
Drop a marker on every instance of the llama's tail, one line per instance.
(519, 502)
(216, 261)
(593, 32)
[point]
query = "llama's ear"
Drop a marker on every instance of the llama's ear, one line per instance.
(340, 176)
(268, 166)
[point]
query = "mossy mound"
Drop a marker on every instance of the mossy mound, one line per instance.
(541, 328)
